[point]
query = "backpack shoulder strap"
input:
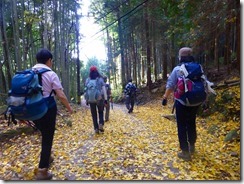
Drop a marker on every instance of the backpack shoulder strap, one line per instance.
(43, 70)
(40, 72)
(87, 80)
(183, 70)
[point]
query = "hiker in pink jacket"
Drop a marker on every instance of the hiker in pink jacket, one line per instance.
(51, 86)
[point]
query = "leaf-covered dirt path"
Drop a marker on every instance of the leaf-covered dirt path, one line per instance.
(138, 146)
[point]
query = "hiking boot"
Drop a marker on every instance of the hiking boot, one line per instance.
(130, 110)
(101, 128)
(43, 174)
(185, 155)
(96, 131)
(192, 149)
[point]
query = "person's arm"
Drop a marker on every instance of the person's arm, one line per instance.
(171, 82)
(168, 91)
(136, 89)
(104, 90)
(57, 87)
(126, 90)
(110, 93)
(62, 97)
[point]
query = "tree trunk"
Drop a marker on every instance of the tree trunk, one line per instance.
(77, 60)
(154, 53)
(115, 68)
(149, 80)
(23, 35)
(109, 55)
(172, 52)
(5, 86)
(216, 49)
(45, 25)
(134, 56)
(16, 36)
(56, 22)
(123, 81)
(165, 62)
(227, 37)
(238, 37)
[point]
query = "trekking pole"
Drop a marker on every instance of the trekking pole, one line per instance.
(173, 109)
(171, 116)
(135, 103)
(112, 105)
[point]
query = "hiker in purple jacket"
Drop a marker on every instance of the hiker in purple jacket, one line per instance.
(97, 108)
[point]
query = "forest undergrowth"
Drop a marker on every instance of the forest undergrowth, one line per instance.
(142, 145)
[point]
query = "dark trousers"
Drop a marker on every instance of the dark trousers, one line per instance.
(186, 124)
(97, 108)
(46, 125)
(129, 102)
(107, 110)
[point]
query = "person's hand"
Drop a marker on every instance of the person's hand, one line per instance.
(164, 101)
(70, 110)
(205, 106)
(105, 102)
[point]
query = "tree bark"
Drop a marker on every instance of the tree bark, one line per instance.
(77, 59)
(165, 62)
(154, 53)
(6, 59)
(121, 50)
(149, 80)
(45, 39)
(18, 60)
(238, 36)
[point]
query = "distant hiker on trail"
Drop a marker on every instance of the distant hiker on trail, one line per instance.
(109, 93)
(186, 106)
(51, 85)
(96, 97)
(130, 95)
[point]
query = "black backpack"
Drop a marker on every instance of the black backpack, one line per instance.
(131, 90)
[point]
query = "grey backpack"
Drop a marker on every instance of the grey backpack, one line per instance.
(92, 91)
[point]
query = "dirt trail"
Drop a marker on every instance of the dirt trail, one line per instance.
(137, 146)
(129, 149)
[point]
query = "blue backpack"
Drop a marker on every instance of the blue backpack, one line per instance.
(191, 86)
(92, 91)
(25, 101)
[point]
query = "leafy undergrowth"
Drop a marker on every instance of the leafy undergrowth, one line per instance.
(138, 146)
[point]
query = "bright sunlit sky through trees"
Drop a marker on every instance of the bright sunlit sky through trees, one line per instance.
(91, 44)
